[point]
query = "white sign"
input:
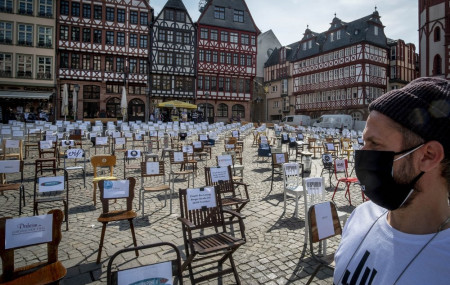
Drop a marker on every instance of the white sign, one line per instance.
(300, 137)
(120, 141)
(160, 273)
(152, 168)
(178, 156)
(188, 149)
(314, 185)
(133, 153)
(324, 220)
(200, 198)
(203, 137)
(75, 153)
(17, 134)
(101, 140)
(235, 134)
(128, 135)
(53, 183)
(12, 143)
(197, 144)
(9, 166)
(229, 146)
(340, 165)
(45, 144)
(6, 131)
(67, 143)
(28, 230)
(279, 158)
(219, 174)
(330, 146)
(116, 189)
(51, 138)
(116, 134)
(224, 160)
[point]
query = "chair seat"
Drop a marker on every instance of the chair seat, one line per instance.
(55, 197)
(229, 201)
(182, 172)
(8, 187)
(348, 179)
(295, 190)
(116, 216)
(74, 168)
(44, 275)
(212, 243)
(97, 179)
(157, 188)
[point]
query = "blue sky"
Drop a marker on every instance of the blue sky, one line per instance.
(288, 18)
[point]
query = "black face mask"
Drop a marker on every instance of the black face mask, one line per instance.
(374, 170)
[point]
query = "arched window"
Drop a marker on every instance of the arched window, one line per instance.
(437, 65)
(437, 34)
(238, 110)
(113, 108)
(136, 110)
(222, 110)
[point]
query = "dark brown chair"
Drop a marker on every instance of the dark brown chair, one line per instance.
(147, 172)
(46, 272)
(228, 192)
(277, 163)
(206, 241)
(112, 276)
(313, 220)
(129, 156)
(116, 215)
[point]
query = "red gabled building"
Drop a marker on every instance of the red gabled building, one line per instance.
(226, 59)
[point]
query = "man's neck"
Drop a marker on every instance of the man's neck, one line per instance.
(420, 217)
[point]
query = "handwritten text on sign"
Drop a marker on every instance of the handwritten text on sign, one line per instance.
(219, 173)
(116, 189)
(198, 198)
(75, 153)
(28, 230)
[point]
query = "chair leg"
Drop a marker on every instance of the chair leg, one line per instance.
(99, 255)
(66, 214)
(94, 196)
(133, 235)
(142, 203)
(236, 275)
(271, 182)
(335, 189)
(348, 192)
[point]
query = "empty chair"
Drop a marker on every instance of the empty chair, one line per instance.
(8, 167)
(46, 272)
(153, 170)
(327, 166)
(341, 175)
(75, 159)
(292, 183)
(206, 240)
(179, 158)
(132, 155)
(116, 190)
(98, 161)
(12, 149)
(277, 162)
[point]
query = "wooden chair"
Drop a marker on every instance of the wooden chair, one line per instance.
(199, 150)
(51, 189)
(32, 141)
(277, 163)
(228, 159)
(341, 166)
(315, 237)
(12, 149)
(108, 215)
(48, 153)
(327, 166)
(102, 161)
(175, 264)
(330, 148)
(179, 158)
(205, 236)
(138, 141)
(47, 272)
(153, 170)
(131, 155)
(119, 145)
(9, 167)
(75, 159)
(228, 190)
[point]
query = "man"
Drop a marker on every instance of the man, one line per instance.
(402, 236)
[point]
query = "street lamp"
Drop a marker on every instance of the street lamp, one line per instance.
(206, 106)
(76, 88)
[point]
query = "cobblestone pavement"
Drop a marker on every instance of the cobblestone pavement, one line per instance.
(275, 251)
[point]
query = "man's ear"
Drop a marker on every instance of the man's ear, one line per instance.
(433, 154)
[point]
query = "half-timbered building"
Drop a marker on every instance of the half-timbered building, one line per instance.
(172, 60)
(434, 38)
(403, 63)
(103, 46)
(227, 51)
(341, 70)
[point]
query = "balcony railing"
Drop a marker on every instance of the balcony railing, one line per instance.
(5, 73)
(28, 12)
(24, 74)
(6, 41)
(5, 9)
(43, 75)
(45, 45)
(25, 43)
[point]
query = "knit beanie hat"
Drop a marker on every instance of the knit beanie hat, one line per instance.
(422, 106)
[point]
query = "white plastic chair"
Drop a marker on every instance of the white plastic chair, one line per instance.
(292, 184)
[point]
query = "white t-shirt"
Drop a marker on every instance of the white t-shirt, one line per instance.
(386, 252)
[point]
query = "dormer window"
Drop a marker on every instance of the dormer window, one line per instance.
(309, 44)
(375, 30)
(304, 46)
(338, 35)
(332, 37)
(219, 13)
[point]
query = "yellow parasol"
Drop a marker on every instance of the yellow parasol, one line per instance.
(176, 104)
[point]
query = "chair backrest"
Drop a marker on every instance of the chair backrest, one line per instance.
(279, 158)
(329, 146)
(130, 275)
(198, 146)
(9, 240)
(117, 189)
(224, 160)
(103, 161)
(314, 190)
(324, 222)
(340, 166)
(203, 213)
(152, 169)
(327, 161)
(11, 166)
(177, 157)
(291, 174)
(213, 175)
(12, 148)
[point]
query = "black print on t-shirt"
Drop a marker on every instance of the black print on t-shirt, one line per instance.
(368, 274)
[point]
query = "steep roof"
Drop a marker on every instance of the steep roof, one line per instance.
(207, 16)
(175, 4)
(274, 58)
